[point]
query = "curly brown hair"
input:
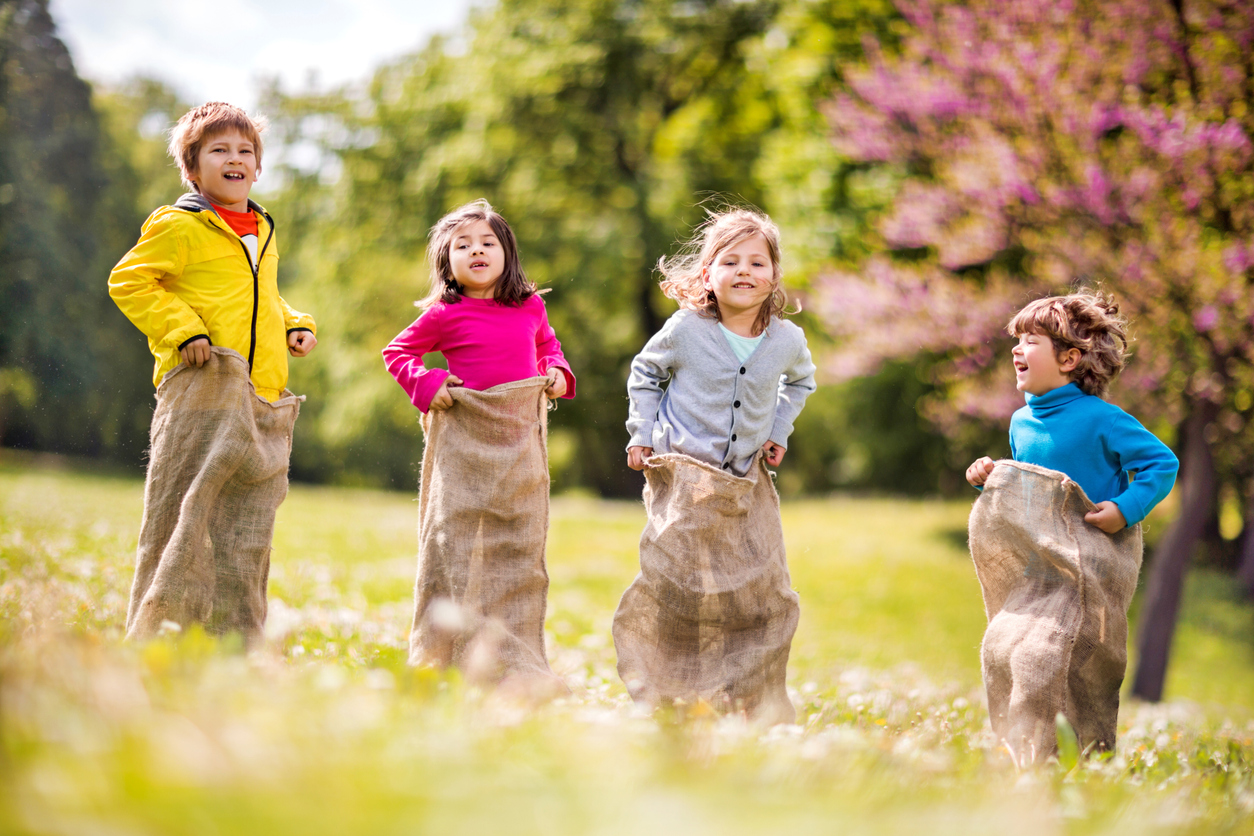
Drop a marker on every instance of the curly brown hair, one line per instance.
(682, 275)
(513, 288)
(1087, 320)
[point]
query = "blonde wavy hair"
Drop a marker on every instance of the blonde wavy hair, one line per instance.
(683, 276)
(1087, 320)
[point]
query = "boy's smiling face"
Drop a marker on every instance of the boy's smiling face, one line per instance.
(1038, 367)
(226, 168)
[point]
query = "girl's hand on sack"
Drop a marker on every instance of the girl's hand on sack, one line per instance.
(637, 455)
(300, 343)
(443, 399)
(980, 470)
(558, 387)
(774, 453)
(1107, 517)
(196, 353)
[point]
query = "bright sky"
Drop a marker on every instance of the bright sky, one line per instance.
(219, 49)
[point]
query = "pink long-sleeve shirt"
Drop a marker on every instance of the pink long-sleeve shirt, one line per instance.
(486, 344)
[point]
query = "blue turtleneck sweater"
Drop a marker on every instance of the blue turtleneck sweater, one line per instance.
(1097, 445)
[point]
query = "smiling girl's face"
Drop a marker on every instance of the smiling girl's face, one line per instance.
(226, 168)
(741, 277)
(476, 259)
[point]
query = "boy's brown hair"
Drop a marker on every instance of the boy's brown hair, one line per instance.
(683, 276)
(513, 288)
(205, 122)
(1086, 320)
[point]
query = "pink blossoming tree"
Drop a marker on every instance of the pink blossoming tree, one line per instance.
(1029, 145)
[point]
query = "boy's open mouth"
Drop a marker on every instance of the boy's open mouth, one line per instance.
(1020, 366)
(233, 175)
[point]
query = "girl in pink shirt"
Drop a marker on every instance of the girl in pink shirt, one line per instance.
(482, 584)
(482, 313)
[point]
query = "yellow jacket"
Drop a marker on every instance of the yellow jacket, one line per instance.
(190, 276)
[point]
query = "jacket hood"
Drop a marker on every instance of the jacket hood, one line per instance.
(196, 202)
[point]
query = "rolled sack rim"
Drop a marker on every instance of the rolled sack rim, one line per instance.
(288, 397)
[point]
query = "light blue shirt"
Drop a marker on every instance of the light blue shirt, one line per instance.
(689, 393)
(743, 346)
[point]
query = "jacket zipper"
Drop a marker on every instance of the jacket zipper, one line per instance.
(252, 338)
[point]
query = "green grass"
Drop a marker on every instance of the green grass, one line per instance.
(327, 730)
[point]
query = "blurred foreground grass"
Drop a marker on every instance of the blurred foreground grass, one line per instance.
(328, 731)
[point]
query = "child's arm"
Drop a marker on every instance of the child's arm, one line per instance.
(795, 385)
(549, 356)
(301, 330)
(1107, 517)
(979, 471)
(135, 285)
(637, 455)
(774, 453)
(403, 358)
(650, 369)
(1138, 450)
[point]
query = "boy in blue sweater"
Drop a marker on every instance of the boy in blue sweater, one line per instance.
(1070, 349)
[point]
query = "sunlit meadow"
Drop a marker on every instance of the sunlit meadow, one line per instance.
(327, 730)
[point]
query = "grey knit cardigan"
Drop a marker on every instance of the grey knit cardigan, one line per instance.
(715, 408)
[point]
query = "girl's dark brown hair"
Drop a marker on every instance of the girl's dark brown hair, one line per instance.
(683, 277)
(513, 288)
(1086, 320)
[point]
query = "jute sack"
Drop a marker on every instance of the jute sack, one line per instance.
(217, 473)
(1056, 593)
(483, 516)
(712, 613)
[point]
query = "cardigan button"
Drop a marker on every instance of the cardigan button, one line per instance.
(733, 436)
(742, 369)
(726, 465)
(736, 405)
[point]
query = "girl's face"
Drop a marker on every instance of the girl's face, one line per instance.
(741, 276)
(1038, 367)
(476, 259)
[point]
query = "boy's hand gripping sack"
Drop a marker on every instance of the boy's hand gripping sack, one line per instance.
(1056, 593)
(712, 613)
(217, 473)
(483, 517)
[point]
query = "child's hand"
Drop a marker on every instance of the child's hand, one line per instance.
(1107, 517)
(300, 343)
(980, 470)
(558, 387)
(196, 353)
(443, 400)
(637, 455)
(774, 453)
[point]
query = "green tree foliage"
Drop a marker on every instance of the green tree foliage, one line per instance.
(62, 385)
(597, 128)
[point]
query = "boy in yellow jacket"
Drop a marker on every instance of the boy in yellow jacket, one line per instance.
(202, 285)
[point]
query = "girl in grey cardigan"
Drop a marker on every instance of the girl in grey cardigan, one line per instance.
(736, 375)
(714, 395)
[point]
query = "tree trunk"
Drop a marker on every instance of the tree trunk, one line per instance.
(1245, 555)
(1171, 559)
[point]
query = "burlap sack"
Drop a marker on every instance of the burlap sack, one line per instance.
(217, 473)
(1056, 593)
(483, 516)
(712, 613)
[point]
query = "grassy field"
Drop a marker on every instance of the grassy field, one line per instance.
(328, 731)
